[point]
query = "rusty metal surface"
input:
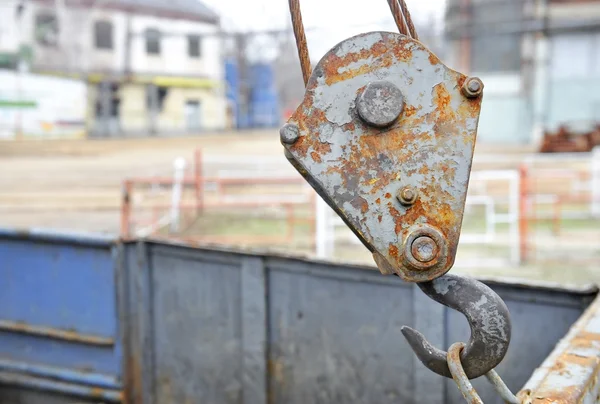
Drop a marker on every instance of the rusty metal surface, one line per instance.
(570, 373)
(359, 169)
(55, 333)
(458, 374)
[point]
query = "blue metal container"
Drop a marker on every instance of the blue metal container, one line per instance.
(86, 319)
(264, 100)
(59, 324)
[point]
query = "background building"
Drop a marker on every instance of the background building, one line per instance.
(151, 66)
(539, 60)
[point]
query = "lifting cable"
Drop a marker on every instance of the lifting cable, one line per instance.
(397, 7)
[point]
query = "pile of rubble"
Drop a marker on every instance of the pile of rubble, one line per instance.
(565, 140)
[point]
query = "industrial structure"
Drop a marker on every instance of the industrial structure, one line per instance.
(539, 60)
(151, 66)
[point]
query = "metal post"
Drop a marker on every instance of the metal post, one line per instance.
(179, 165)
(514, 217)
(595, 185)
(523, 211)
(198, 181)
(126, 209)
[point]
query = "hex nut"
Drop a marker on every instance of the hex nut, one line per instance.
(407, 195)
(424, 248)
(380, 103)
(472, 87)
(289, 133)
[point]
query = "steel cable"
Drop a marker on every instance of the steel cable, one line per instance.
(300, 39)
(397, 7)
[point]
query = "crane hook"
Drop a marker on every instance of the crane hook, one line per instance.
(488, 318)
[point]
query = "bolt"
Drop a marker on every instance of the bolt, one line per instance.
(424, 249)
(289, 133)
(472, 87)
(407, 196)
(380, 104)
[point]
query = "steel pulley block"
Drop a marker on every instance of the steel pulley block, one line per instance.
(385, 134)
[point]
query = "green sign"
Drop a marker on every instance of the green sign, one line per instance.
(17, 104)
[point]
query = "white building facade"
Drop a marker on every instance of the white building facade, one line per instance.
(152, 66)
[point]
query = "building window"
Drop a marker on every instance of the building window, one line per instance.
(103, 35)
(194, 46)
(46, 29)
(152, 41)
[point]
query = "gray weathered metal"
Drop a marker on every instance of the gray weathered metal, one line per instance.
(221, 326)
(488, 319)
(358, 167)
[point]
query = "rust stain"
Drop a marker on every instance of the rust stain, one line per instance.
(388, 195)
(566, 363)
(133, 379)
(350, 126)
(333, 63)
(409, 110)
(434, 60)
(403, 51)
(322, 148)
(393, 251)
(57, 333)
(315, 156)
(96, 392)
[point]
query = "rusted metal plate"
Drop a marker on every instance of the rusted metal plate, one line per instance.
(361, 157)
(570, 373)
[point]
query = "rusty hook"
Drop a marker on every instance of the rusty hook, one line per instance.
(488, 318)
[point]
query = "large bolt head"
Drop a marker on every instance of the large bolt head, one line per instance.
(424, 249)
(289, 133)
(380, 104)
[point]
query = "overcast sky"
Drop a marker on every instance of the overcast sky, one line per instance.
(330, 20)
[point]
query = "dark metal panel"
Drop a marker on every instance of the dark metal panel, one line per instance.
(338, 340)
(254, 331)
(543, 313)
(429, 318)
(217, 326)
(133, 268)
(193, 329)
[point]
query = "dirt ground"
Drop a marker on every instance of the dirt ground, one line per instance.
(75, 185)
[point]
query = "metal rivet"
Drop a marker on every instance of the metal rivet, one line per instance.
(407, 195)
(424, 249)
(380, 104)
(289, 133)
(472, 87)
